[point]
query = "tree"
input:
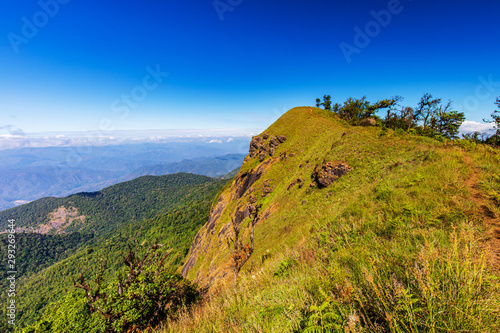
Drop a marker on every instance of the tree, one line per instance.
(403, 118)
(318, 102)
(355, 110)
(437, 119)
(495, 118)
(327, 102)
(144, 293)
(426, 110)
(240, 253)
(448, 122)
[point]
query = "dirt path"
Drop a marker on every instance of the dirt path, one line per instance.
(488, 216)
(317, 115)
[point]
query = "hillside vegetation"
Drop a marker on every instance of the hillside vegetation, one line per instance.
(109, 208)
(28, 174)
(403, 238)
(167, 209)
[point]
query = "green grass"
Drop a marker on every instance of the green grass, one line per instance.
(396, 245)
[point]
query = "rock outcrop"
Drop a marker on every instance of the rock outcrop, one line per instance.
(329, 172)
(368, 122)
(262, 147)
(233, 206)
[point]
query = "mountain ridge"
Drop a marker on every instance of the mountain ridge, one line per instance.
(349, 211)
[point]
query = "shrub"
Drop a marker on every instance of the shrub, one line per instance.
(144, 294)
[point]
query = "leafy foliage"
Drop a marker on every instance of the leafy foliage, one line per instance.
(429, 118)
(39, 251)
(355, 110)
(284, 267)
(144, 293)
(437, 119)
(495, 119)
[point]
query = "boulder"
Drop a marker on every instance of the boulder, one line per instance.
(256, 142)
(367, 122)
(262, 148)
(281, 138)
(329, 172)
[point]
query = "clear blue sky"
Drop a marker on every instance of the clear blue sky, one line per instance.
(237, 67)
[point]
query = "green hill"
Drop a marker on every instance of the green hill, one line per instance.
(102, 211)
(360, 230)
(168, 209)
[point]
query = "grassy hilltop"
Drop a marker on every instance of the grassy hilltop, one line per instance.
(405, 241)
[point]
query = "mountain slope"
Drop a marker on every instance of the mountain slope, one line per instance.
(102, 211)
(167, 209)
(360, 229)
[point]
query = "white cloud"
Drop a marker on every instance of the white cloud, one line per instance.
(80, 139)
(473, 126)
(10, 136)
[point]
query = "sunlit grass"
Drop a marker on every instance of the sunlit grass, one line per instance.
(396, 245)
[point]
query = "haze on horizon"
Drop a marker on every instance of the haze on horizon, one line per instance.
(91, 66)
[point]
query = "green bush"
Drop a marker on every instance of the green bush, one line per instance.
(143, 294)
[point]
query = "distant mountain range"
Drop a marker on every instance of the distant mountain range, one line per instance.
(31, 173)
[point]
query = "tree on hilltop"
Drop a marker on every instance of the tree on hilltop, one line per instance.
(495, 119)
(437, 119)
(356, 109)
(327, 102)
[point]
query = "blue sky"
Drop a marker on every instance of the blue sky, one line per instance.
(234, 64)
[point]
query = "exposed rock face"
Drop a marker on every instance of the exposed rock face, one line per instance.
(233, 206)
(59, 220)
(329, 172)
(215, 232)
(368, 122)
(267, 187)
(262, 147)
(246, 179)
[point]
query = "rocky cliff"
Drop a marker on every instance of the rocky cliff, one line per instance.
(276, 177)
